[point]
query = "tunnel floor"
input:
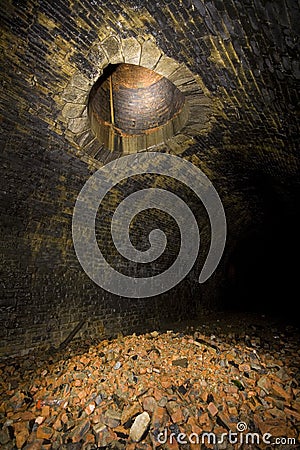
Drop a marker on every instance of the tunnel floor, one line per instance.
(226, 382)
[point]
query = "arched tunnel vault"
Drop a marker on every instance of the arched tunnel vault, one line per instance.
(236, 67)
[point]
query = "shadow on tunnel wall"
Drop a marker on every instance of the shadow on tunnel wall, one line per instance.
(263, 272)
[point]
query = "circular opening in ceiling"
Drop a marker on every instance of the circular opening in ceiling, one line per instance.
(132, 108)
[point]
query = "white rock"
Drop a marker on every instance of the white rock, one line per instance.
(139, 426)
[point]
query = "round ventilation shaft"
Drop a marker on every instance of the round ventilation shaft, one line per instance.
(132, 108)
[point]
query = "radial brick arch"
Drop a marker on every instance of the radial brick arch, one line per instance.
(92, 144)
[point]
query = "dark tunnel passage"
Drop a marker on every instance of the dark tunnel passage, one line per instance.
(262, 273)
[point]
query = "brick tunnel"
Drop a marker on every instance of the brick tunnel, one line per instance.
(199, 96)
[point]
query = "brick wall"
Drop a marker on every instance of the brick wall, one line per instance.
(246, 56)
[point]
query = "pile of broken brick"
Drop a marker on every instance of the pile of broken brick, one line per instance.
(159, 390)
